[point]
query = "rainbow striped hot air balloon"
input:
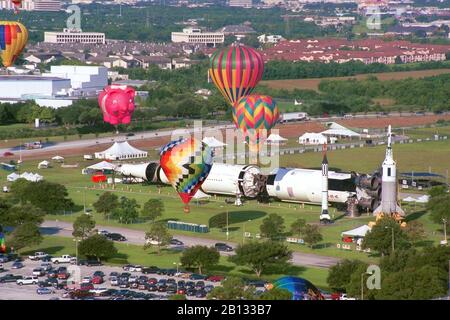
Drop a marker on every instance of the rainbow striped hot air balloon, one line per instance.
(13, 38)
(255, 116)
(236, 71)
(186, 164)
(2, 243)
(301, 289)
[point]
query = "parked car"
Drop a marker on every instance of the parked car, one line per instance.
(116, 237)
(10, 278)
(181, 290)
(152, 281)
(208, 288)
(132, 279)
(176, 242)
(215, 278)
(3, 258)
(152, 288)
(63, 259)
(38, 272)
(196, 276)
(191, 292)
(200, 293)
(37, 256)
(2, 268)
(98, 273)
(113, 274)
(114, 281)
(86, 280)
(150, 270)
(103, 232)
(89, 263)
(171, 289)
(199, 285)
(98, 291)
(223, 247)
(97, 280)
(52, 273)
(46, 266)
(17, 265)
(44, 290)
(27, 280)
(86, 286)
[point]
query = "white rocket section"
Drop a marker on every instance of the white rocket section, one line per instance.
(389, 204)
(324, 216)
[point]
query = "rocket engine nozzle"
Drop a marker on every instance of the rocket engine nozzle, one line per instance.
(367, 182)
(370, 204)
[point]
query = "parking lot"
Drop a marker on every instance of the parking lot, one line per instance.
(13, 291)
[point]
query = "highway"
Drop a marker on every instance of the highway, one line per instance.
(137, 237)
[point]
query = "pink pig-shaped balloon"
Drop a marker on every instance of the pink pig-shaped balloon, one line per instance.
(117, 104)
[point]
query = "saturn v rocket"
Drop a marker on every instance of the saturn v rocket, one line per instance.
(389, 204)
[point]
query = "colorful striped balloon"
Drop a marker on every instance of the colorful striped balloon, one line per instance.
(2, 243)
(13, 38)
(236, 71)
(186, 164)
(254, 114)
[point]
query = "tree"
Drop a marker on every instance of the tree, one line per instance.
(298, 227)
(276, 294)
(127, 210)
(438, 206)
(259, 256)
(19, 190)
(312, 235)
(353, 287)
(25, 235)
(379, 238)
(177, 297)
(159, 233)
(340, 274)
(200, 257)
(232, 288)
(424, 283)
(272, 227)
(21, 214)
(106, 203)
(415, 231)
(83, 226)
(437, 191)
(152, 209)
(98, 247)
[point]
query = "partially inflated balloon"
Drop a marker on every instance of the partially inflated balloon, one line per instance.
(186, 164)
(236, 71)
(13, 38)
(2, 243)
(255, 116)
(117, 104)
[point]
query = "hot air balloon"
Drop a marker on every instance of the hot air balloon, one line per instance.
(117, 104)
(2, 242)
(236, 71)
(186, 164)
(17, 4)
(254, 114)
(13, 38)
(301, 289)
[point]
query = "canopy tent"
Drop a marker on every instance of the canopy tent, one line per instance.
(422, 199)
(409, 199)
(101, 166)
(336, 129)
(312, 138)
(274, 138)
(121, 151)
(58, 158)
(200, 195)
(43, 164)
(33, 177)
(359, 232)
(212, 142)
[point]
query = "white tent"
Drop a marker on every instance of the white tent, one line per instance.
(336, 129)
(358, 232)
(409, 199)
(199, 195)
(274, 138)
(423, 199)
(43, 164)
(104, 165)
(12, 177)
(58, 158)
(121, 151)
(212, 142)
(312, 138)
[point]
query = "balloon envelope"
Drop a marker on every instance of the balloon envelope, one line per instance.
(301, 289)
(13, 38)
(236, 71)
(2, 243)
(117, 104)
(255, 116)
(186, 164)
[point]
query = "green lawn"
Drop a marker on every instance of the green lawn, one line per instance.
(135, 254)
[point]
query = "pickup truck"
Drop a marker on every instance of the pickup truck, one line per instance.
(37, 256)
(65, 258)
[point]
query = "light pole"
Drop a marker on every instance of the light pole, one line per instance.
(362, 285)
(177, 264)
(393, 240)
(228, 233)
(445, 229)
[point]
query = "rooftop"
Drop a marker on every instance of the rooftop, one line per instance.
(30, 78)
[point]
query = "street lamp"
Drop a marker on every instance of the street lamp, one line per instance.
(177, 264)
(227, 221)
(84, 199)
(444, 221)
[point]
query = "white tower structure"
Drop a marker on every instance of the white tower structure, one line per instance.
(324, 215)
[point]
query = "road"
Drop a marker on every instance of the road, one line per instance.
(64, 229)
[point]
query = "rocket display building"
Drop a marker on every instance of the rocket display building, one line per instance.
(389, 204)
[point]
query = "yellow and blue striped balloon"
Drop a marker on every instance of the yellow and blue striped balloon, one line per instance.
(13, 38)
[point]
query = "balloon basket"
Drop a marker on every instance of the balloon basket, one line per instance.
(186, 209)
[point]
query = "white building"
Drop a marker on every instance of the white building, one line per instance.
(33, 5)
(46, 91)
(240, 3)
(193, 35)
(312, 138)
(74, 36)
(84, 80)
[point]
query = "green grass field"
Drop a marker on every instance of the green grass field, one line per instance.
(409, 156)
